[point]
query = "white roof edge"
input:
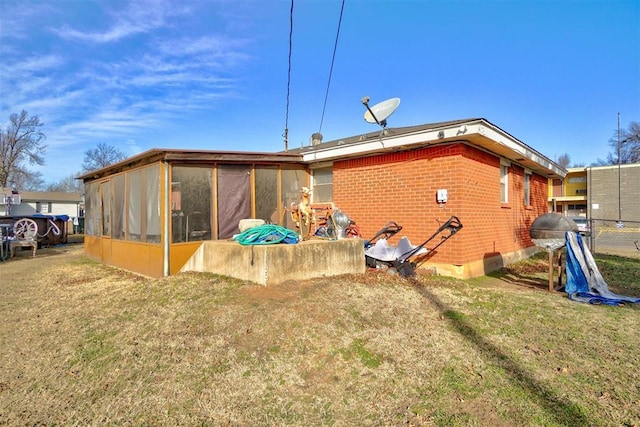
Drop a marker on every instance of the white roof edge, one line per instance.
(616, 166)
(434, 135)
(517, 146)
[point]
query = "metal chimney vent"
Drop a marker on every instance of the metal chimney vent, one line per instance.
(316, 138)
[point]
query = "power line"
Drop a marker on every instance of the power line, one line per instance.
(333, 58)
(286, 116)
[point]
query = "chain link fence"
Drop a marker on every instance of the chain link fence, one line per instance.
(613, 237)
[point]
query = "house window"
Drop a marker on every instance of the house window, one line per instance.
(527, 188)
(577, 179)
(323, 185)
(43, 207)
(504, 180)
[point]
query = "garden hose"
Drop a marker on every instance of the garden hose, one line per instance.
(267, 234)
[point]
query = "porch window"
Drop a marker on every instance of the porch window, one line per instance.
(234, 198)
(93, 216)
(134, 206)
(105, 193)
(117, 206)
(191, 194)
(152, 188)
(292, 182)
(143, 204)
(266, 179)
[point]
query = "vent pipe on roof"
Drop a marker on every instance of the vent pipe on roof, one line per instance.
(316, 138)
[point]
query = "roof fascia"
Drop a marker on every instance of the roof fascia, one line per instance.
(518, 151)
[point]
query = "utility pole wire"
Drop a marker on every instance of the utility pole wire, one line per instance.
(286, 116)
(333, 58)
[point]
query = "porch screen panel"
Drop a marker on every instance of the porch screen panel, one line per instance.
(292, 182)
(134, 205)
(117, 206)
(152, 187)
(234, 198)
(93, 214)
(191, 203)
(105, 192)
(267, 194)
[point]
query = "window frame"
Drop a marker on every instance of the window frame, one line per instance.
(321, 188)
(504, 181)
(527, 187)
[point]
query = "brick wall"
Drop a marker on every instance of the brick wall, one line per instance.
(402, 187)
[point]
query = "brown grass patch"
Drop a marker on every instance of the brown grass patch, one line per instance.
(82, 343)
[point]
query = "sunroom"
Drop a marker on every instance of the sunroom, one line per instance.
(151, 212)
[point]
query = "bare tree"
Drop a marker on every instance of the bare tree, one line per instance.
(563, 160)
(68, 184)
(20, 144)
(626, 146)
(100, 157)
(33, 181)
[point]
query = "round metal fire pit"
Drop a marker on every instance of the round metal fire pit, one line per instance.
(548, 231)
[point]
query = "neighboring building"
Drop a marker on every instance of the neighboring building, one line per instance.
(49, 210)
(568, 196)
(608, 193)
(614, 192)
(8, 199)
(151, 212)
(49, 203)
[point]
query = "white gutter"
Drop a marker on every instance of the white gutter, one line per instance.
(520, 148)
(372, 145)
(433, 136)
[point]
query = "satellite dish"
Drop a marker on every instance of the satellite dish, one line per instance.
(381, 111)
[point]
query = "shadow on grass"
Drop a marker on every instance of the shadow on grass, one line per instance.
(518, 279)
(563, 411)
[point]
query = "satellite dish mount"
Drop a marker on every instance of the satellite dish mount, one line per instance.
(381, 111)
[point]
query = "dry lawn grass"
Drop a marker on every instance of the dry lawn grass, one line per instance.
(85, 344)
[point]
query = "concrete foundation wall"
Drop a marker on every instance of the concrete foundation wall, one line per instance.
(271, 264)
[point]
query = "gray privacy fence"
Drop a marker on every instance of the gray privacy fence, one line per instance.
(610, 236)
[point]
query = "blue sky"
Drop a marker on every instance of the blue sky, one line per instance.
(210, 74)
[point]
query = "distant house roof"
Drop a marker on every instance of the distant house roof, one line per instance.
(50, 196)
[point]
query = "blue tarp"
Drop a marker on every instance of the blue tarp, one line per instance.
(54, 217)
(584, 281)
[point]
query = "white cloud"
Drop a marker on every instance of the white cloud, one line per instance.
(138, 17)
(125, 94)
(18, 22)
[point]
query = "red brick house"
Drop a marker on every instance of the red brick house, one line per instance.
(494, 183)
